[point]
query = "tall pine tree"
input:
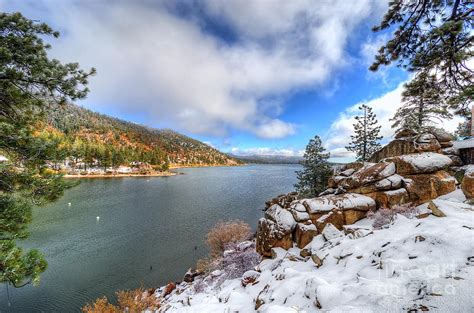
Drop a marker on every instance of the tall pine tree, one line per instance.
(366, 139)
(313, 178)
(28, 81)
(433, 37)
(422, 104)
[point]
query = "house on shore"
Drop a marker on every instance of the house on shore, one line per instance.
(124, 170)
(465, 149)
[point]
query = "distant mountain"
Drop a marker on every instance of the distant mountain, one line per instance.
(269, 159)
(111, 141)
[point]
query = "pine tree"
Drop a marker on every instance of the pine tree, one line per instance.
(28, 80)
(422, 104)
(365, 141)
(433, 37)
(463, 130)
(313, 178)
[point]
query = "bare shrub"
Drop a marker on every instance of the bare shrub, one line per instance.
(224, 233)
(383, 217)
(101, 305)
(137, 300)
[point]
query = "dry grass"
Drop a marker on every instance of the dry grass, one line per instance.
(225, 233)
(133, 301)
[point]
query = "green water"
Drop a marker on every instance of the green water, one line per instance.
(150, 231)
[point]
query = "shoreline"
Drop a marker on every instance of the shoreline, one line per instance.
(164, 174)
(198, 166)
(158, 174)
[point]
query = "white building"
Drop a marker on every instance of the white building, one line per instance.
(124, 170)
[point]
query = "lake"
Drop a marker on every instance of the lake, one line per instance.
(149, 232)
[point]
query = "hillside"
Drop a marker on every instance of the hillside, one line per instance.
(107, 141)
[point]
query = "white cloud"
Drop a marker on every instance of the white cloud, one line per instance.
(172, 71)
(384, 107)
(267, 152)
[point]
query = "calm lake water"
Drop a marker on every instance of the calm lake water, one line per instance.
(157, 222)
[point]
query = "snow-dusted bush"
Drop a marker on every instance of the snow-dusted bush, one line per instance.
(232, 254)
(225, 233)
(238, 259)
(208, 264)
(383, 217)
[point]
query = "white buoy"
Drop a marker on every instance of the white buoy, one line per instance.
(69, 204)
(98, 217)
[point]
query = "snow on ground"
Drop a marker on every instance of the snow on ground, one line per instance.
(413, 264)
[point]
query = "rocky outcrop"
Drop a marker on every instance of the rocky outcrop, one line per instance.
(467, 184)
(409, 142)
(282, 200)
(306, 218)
(410, 169)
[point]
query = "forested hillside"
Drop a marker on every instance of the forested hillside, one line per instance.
(106, 141)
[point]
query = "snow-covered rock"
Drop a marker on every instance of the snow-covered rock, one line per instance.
(330, 232)
(304, 233)
(425, 187)
(347, 201)
(391, 182)
(282, 217)
(467, 184)
(369, 173)
(420, 163)
(270, 235)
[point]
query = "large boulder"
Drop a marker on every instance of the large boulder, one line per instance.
(269, 236)
(442, 136)
(282, 217)
(275, 230)
(389, 183)
(368, 174)
(407, 145)
(420, 163)
(467, 184)
(339, 209)
(390, 198)
(335, 217)
(344, 202)
(304, 234)
(425, 187)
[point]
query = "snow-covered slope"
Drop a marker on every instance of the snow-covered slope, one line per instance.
(414, 264)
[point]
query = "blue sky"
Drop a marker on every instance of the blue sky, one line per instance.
(248, 77)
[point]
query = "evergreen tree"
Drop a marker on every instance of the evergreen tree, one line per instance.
(313, 178)
(365, 141)
(28, 79)
(463, 130)
(422, 104)
(433, 37)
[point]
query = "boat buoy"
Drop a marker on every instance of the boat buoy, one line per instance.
(98, 217)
